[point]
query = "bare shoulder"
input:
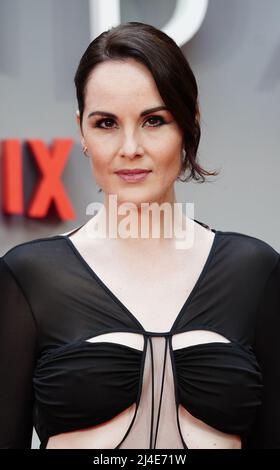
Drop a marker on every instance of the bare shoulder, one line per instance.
(65, 233)
(73, 230)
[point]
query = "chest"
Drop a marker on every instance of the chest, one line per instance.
(152, 286)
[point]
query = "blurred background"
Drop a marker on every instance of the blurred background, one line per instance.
(235, 56)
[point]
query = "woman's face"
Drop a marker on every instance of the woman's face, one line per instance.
(128, 140)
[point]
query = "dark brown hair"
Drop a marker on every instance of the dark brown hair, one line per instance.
(171, 71)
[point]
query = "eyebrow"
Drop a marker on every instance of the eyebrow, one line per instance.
(143, 113)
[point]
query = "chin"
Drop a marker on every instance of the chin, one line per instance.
(136, 196)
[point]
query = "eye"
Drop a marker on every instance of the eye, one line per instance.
(152, 119)
(159, 119)
(98, 123)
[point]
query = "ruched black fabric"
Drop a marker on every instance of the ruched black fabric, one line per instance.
(53, 377)
(66, 381)
(220, 381)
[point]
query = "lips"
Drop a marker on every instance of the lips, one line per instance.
(132, 172)
(133, 176)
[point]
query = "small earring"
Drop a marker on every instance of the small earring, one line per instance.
(85, 151)
(183, 156)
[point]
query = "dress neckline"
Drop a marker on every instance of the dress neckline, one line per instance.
(121, 304)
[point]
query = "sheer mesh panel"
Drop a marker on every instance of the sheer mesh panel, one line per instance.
(147, 431)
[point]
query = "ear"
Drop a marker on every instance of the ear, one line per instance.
(197, 114)
(78, 120)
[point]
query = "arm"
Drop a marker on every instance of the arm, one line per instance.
(17, 359)
(266, 430)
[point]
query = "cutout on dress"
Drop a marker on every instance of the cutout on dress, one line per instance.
(105, 435)
(199, 435)
(195, 337)
(132, 340)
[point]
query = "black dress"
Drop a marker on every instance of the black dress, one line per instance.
(56, 377)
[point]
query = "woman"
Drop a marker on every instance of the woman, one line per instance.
(127, 341)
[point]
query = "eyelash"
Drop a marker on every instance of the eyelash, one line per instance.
(159, 118)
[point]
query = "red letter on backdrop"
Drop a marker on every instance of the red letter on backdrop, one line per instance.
(50, 188)
(12, 187)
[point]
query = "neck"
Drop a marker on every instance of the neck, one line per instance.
(158, 223)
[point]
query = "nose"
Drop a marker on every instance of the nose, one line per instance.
(131, 147)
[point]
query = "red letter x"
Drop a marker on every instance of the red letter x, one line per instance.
(51, 163)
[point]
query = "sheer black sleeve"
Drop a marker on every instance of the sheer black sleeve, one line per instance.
(17, 357)
(266, 431)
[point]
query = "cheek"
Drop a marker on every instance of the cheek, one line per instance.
(102, 152)
(100, 166)
(170, 154)
(101, 156)
(170, 159)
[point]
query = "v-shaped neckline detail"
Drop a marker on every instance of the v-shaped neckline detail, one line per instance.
(120, 303)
